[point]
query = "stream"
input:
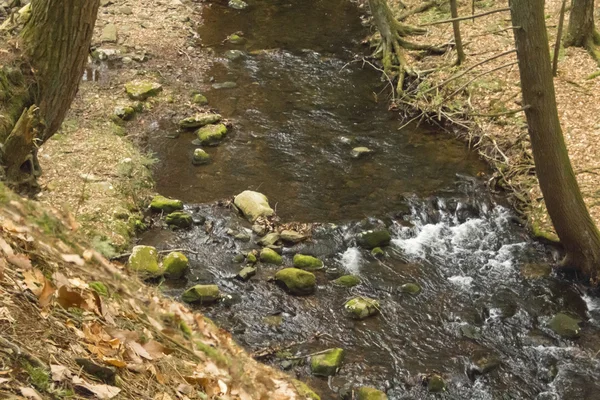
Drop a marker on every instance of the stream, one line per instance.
(300, 104)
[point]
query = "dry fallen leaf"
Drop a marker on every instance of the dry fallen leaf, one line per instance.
(73, 259)
(99, 390)
(3, 266)
(59, 372)
(115, 362)
(5, 315)
(19, 261)
(5, 247)
(35, 281)
(162, 396)
(30, 393)
(156, 350)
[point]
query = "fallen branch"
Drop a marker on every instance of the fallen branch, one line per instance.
(510, 112)
(269, 351)
(422, 8)
(469, 17)
(15, 351)
(477, 77)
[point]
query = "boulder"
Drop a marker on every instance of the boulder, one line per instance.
(369, 393)
(199, 99)
(253, 205)
(203, 294)
(211, 135)
(374, 238)
(237, 4)
(308, 263)
(144, 261)
(361, 307)
(410, 288)
(200, 157)
(305, 392)
(141, 90)
(358, 152)
(270, 256)
(179, 219)
(175, 264)
(199, 120)
(297, 281)
(290, 236)
(162, 203)
(347, 281)
(109, 34)
(327, 364)
(246, 273)
(565, 326)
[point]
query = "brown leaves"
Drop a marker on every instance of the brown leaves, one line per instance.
(99, 390)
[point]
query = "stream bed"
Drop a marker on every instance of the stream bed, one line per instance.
(300, 104)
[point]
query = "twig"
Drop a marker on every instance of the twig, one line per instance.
(316, 353)
(13, 348)
(272, 350)
(509, 112)
(477, 77)
(469, 17)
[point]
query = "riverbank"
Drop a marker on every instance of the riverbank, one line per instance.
(478, 106)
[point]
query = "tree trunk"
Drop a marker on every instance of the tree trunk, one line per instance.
(457, 39)
(581, 31)
(46, 75)
(573, 224)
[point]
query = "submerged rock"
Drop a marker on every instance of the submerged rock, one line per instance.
(297, 281)
(482, 363)
(369, 393)
(410, 288)
(565, 326)
(238, 258)
(361, 307)
(347, 281)
(235, 39)
(175, 264)
(179, 219)
(374, 238)
(200, 157)
(203, 294)
(290, 236)
(308, 263)
(536, 271)
(141, 90)
(358, 152)
(233, 55)
(436, 384)
(270, 256)
(246, 273)
(269, 239)
(327, 364)
(304, 391)
(144, 261)
(211, 135)
(237, 4)
(199, 120)
(253, 205)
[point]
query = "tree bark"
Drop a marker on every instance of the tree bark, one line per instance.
(55, 44)
(457, 38)
(581, 31)
(571, 219)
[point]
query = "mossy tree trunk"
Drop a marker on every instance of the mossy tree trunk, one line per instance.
(569, 214)
(37, 89)
(581, 31)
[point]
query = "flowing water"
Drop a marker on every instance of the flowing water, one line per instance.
(299, 107)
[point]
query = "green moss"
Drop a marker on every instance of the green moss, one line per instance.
(327, 364)
(162, 203)
(369, 393)
(141, 90)
(199, 120)
(436, 384)
(361, 307)
(37, 376)
(213, 353)
(144, 260)
(347, 280)
(179, 219)
(566, 326)
(184, 327)
(203, 294)
(49, 225)
(211, 135)
(99, 288)
(308, 263)
(304, 391)
(297, 281)
(199, 99)
(175, 264)
(104, 247)
(410, 288)
(251, 258)
(270, 256)
(377, 252)
(374, 238)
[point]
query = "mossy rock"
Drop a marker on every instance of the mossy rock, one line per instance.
(199, 120)
(269, 239)
(270, 256)
(369, 393)
(162, 203)
(410, 288)
(234, 55)
(179, 219)
(253, 205)
(305, 392)
(327, 364)
(297, 281)
(362, 307)
(374, 238)
(251, 258)
(565, 326)
(236, 39)
(200, 157)
(211, 135)
(199, 99)
(377, 252)
(347, 281)
(99, 287)
(308, 263)
(124, 113)
(246, 273)
(144, 261)
(290, 236)
(141, 90)
(203, 294)
(175, 264)
(237, 4)
(238, 258)
(436, 384)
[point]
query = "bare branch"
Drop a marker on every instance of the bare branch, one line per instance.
(469, 17)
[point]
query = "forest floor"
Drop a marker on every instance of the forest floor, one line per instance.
(503, 140)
